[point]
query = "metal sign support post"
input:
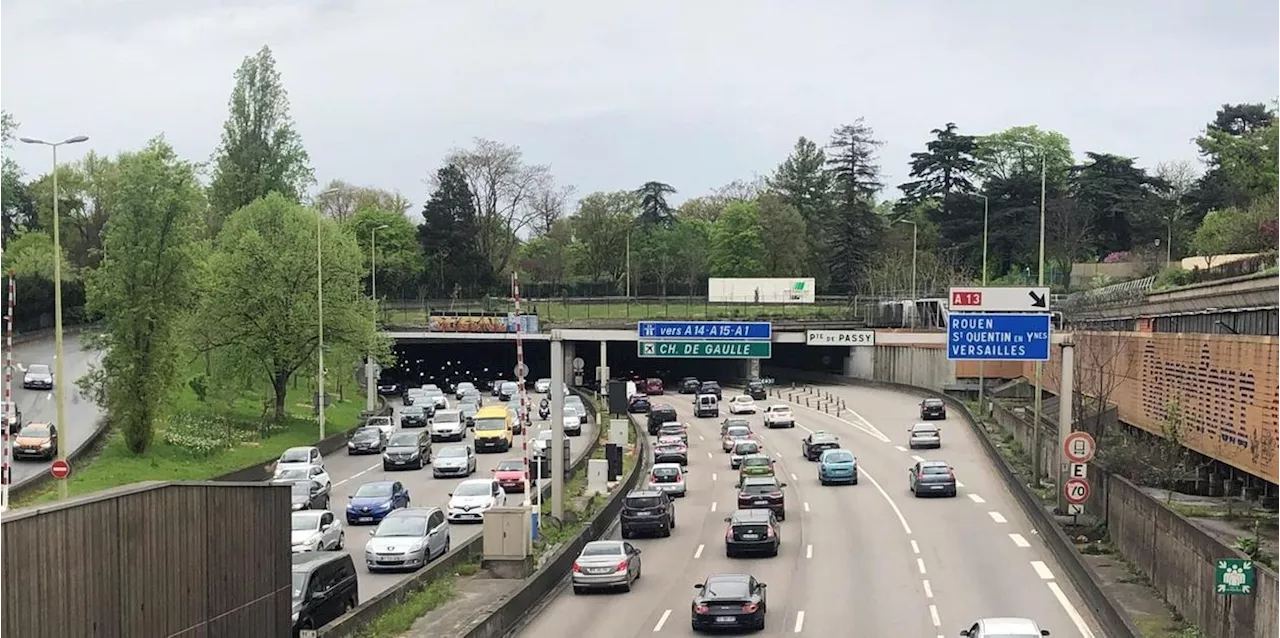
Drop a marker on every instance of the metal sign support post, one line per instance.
(557, 426)
(11, 410)
(1066, 399)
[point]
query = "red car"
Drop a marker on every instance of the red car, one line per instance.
(653, 386)
(511, 475)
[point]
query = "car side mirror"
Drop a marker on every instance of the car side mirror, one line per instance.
(320, 595)
(325, 527)
(764, 585)
(1044, 632)
(782, 484)
(637, 551)
(450, 493)
(371, 532)
(964, 632)
(698, 586)
(350, 496)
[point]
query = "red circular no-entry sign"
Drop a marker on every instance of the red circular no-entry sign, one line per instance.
(60, 469)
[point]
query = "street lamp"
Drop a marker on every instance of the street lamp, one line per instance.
(1036, 468)
(915, 235)
(982, 371)
(370, 386)
(320, 396)
(58, 380)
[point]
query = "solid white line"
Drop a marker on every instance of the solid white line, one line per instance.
(901, 519)
(713, 476)
(862, 425)
(928, 589)
(806, 506)
(933, 613)
(1042, 570)
(794, 477)
(920, 565)
(662, 621)
(1019, 540)
(1071, 610)
(808, 551)
(799, 621)
(698, 552)
(977, 499)
(997, 517)
(917, 458)
(713, 507)
(900, 448)
(915, 547)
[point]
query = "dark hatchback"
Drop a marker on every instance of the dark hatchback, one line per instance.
(653, 386)
(932, 478)
(756, 391)
(647, 512)
(763, 492)
(388, 387)
(659, 414)
(415, 416)
(752, 532)
(639, 405)
(324, 587)
(711, 387)
(933, 409)
(816, 443)
(727, 601)
(689, 385)
(368, 440)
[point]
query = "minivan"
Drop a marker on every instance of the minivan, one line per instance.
(324, 587)
(706, 405)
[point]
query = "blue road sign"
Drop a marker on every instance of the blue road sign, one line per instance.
(982, 336)
(717, 330)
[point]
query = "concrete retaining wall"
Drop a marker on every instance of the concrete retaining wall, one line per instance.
(918, 366)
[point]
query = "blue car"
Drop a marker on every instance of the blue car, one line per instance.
(837, 466)
(372, 502)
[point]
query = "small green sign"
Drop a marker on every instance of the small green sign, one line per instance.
(1233, 576)
(704, 349)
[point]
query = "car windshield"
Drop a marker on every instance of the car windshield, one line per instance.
(735, 589)
(738, 431)
(742, 399)
(746, 447)
(472, 489)
(447, 416)
(510, 466)
(402, 526)
(299, 584)
(403, 439)
(34, 430)
(370, 490)
(491, 424)
(602, 549)
(306, 521)
(755, 461)
(544, 381)
(292, 473)
(666, 473)
(296, 455)
(39, 368)
(838, 457)
(412, 410)
(779, 409)
(455, 451)
(367, 434)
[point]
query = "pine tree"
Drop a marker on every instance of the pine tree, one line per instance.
(857, 228)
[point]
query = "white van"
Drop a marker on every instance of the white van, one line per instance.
(631, 389)
(706, 405)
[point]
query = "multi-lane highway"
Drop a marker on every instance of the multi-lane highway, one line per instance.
(865, 560)
(350, 472)
(37, 405)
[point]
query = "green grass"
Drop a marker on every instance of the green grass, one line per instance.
(1151, 626)
(419, 602)
(249, 442)
(562, 312)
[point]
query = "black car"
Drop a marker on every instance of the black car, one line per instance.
(324, 587)
(756, 391)
(752, 532)
(689, 385)
(729, 601)
(933, 409)
(659, 414)
(407, 450)
(932, 478)
(763, 492)
(811, 446)
(711, 387)
(308, 495)
(647, 512)
(639, 404)
(366, 440)
(388, 387)
(415, 416)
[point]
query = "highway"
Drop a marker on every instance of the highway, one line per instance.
(37, 405)
(349, 472)
(866, 560)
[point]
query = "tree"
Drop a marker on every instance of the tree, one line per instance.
(1166, 220)
(601, 226)
(945, 167)
(259, 307)
(448, 236)
(261, 151)
(547, 258)
(1017, 150)
(656, 251)
(855, 180)
(19, 210)
(692, 245)
(143, 289)
(1238, 148)
(1113, 194)
(341, 200)
(548, 205)
(399, 256)
(1237, 230)
(30, 253)
(784, 231)
(803, 182)
(737, 243)
(653, 203)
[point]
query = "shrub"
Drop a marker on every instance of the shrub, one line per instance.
(202, 435)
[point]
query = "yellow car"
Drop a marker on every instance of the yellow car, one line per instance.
(755, 465)
(494, 429)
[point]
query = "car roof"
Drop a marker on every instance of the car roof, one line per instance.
(308, 561)
(736, 578)
(838, 450)
(387, 483)
(924, 426)
(301, 448)
(934, 464)
(486, 481)
(671, 424)
(411, 511)
(614, 545)
(644, 494)
(760, 480)
(667, 466)
(1008, 625)
(749, 515)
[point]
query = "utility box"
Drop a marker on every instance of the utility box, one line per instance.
(508, 532)
(597, 476)
(618, 429)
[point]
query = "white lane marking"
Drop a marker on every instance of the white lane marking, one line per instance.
(959, 484)
(698, 552)
(713, 476)
(799, 621)
(701, 438)
(713, 507)
(806, 506)
(933, 613)
(917, 458)
(920, 565)
(778, 454)
(915, 547)
(900, 448)
(710, 456)
(48, 397)
(977, 499)
(1042, 570)
(1019, 540)
(794, 477)
(358, 474)
(901, 519)
(1071, 610)
(997, 517)
(808, 551)
(928, 589)
(662, 621)
(862, 424)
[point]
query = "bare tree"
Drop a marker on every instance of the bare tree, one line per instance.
(341, 200)
(548, 205)
(1104, 362)
(1179, 177)
(1071, 229)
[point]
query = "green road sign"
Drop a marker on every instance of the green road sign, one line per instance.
(704, 349)
(1233, 576)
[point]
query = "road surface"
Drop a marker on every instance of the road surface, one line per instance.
(37, 405)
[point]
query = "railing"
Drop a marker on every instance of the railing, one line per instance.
(579, 310)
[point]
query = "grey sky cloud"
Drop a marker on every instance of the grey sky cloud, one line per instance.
(692, 93)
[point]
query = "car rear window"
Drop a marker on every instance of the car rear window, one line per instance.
(643, 502)
(726, 589)
(933, 403)
(666, 472)
(928, 429)
(602, 549)
(839, 457)
(935, 469)
(748, 447)
(738, 430)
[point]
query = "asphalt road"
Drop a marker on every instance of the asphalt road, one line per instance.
(865, 560)
(37, 405)
(349, 472)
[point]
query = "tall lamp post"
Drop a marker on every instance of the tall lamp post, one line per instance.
(982, 372)
(915, 252)
(1036, 466)
(320, 396)
(58, 380)
(371, 383)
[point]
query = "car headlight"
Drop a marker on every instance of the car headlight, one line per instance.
(417, 547)
(386, 505)
(351, 444)
(46, 445)
(297, 506)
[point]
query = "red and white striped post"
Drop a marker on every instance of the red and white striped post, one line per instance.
(10, 411)
(524, 397)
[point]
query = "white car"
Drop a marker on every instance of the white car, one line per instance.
(317, 531)
(415, 396)
(448, 425)
(669, 478)
(436, 397)
(742, 404)
(302, 456)
(384, 423)
(293, 473)
(779, 416)
(572, 422)
(472, 498)
(542, 443)
(1005, 628)
(542, 386)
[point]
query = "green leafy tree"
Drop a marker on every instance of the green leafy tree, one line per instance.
(19, 210)
(601, 226)
(88, 192)
(656, 250)
(1223, 184)
(261, 151)
(691, 241)
(857, 228)
(737, 242)
(1017, 150)
(259, 308)
(547, 257)
(654, 208)
(399, 257)
(803, 182)
(448, 236)
(143, 290)
(1238, 230)
(341, 200)
(784, 231)
(30, 253)
(1113, 194)
(945, 167)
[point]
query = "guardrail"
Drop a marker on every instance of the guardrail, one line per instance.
(354, 621)
(1115, 624)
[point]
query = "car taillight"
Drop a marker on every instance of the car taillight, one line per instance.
(769, 533)
(749, 608)
(728, 534)
(701, 609)
(951, 474)
(777, 494)
(576, 569)
(680, 478)
(920, 476)
(622, 566)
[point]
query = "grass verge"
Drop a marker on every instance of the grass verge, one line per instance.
(1012, 452)
(419, 602)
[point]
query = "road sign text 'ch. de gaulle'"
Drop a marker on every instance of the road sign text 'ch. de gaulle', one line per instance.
(704, 339)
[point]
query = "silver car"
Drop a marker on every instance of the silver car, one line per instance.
(316, 531)
(924, 435)
(407, 539)
(669, 478)
(741, 450)
(576, 401)
(454, 460)
(606, 564)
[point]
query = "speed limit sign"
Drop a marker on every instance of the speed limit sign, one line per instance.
(1076, 490)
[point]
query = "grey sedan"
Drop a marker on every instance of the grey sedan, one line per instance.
(605, 565)
(924, 435)
(932, 478)
(407, 539)
(454, 460)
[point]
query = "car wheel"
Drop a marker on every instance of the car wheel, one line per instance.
(342, 541)
(822, 481)
(625, 534)
(782, 516)
(666, 532)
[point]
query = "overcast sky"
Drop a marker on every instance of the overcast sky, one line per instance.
(693, 93)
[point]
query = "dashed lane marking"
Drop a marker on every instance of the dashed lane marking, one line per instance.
(698, 553)
(901, 519)
(794, 477)
(1019, 540)
(1076, 619)
(928, 589)
(799, 621)
(357, 474)
(808, 551)
(959, 485)
(997, 517)
(915, 547)
(713, 506)
(917, 458)
(710, 456)
(920, 566)
(933, 614)
(1042, 570)
(662, 621)
(713, 476)
(977, 499)
(900, 448)
(806, 506)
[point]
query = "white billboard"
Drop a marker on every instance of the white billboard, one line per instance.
(781, 290)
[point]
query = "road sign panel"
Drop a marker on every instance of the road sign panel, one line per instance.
(704, 349)
(1074, 509)
(1079, 447)
(1078, 470)
(1233, 576)
(60, 469)
(706, 330)
(1000, 299)
(1077, 490)
(998, 337)
(840, 337)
